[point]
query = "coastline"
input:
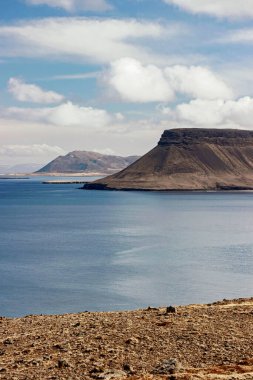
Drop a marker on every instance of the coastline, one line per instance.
(68, 174)
(32, 175)
(211, 341)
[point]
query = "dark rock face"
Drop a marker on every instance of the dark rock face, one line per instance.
(87, 162)
(190, 159)
(203, 135)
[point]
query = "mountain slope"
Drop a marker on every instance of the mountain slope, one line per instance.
(190, 159)
(87, 162)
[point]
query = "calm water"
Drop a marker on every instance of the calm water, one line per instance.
(68, 250)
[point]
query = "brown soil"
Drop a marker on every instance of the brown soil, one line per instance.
(208, 342)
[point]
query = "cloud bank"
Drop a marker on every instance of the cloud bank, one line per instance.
(89, 40)
(66, 114)
(219, 8)
(30, 150)
(214, 113)
(238, 36)
(135, 82)
(25, 92)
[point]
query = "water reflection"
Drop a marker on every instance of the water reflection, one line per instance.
(89, 250)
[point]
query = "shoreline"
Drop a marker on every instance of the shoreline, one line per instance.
(32, 175)
(212, 341)
(69, 174)
(62, 182)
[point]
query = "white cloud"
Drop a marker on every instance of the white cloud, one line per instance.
(135, 82)
(218, 8)
(96, 40)
(197, 81)
(66, 114)
(215, 113)
(138, 83)
(240, 79)
(244, 35)
(30, 150)
(25, 92)
(73, 5)
(89, 75)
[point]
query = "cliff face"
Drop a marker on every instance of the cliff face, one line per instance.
(87, 162)
(190, 159)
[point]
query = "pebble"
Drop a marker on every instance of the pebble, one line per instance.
(169, 366)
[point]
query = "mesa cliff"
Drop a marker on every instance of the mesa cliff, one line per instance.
(190, 159)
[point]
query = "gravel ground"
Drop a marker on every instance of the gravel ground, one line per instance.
(188, 342)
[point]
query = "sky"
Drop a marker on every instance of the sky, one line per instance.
(111, 75)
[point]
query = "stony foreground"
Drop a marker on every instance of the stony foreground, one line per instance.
(191, 342)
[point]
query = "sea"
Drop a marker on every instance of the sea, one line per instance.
(67, 250)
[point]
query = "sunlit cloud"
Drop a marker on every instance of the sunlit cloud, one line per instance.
(30, 150)
(66, 114)
(219, 8)
(136, 82)
(238, 36)
(213, 113)
(26, 92)
(89, 40)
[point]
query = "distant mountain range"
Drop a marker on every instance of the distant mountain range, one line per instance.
(19, 169)
(190, 159)
(87, 162)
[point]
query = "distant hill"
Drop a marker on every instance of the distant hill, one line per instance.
(87, 162)
(190, 159)
(19, 168)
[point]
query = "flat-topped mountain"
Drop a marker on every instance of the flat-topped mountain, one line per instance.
(87, 162)
(190, 159)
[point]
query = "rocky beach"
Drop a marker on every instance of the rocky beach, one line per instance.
(211, 341)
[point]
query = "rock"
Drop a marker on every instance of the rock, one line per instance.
(170, 309)
(8, 341)
(58, 347)
(35, 362)
(149, 308)
(132, 340)
(62, 363)
(127, 368)
(110, 375)
(95, 372)
(163, 323)
(167, 367)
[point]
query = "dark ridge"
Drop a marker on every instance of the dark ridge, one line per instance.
(198, 135)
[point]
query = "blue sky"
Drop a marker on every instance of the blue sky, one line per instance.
(111, 75)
